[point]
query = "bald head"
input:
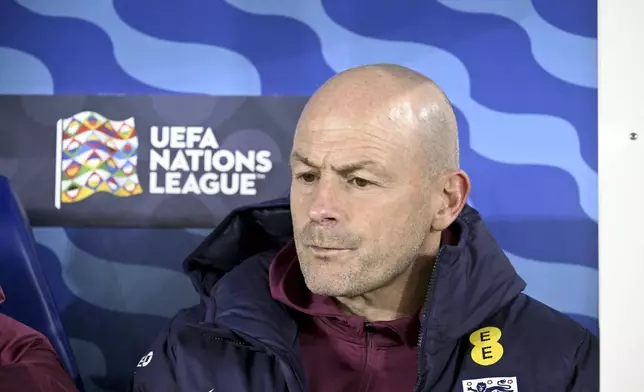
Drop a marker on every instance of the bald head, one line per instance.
(375, 181)
(397, 100)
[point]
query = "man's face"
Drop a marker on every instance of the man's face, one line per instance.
(360, 211)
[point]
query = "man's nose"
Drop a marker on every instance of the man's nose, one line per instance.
(325, 206)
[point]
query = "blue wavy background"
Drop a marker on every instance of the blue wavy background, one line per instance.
(521, 74)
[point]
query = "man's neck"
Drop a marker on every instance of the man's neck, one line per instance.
(404, 296)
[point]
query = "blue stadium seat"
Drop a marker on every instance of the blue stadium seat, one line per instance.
(29, 299)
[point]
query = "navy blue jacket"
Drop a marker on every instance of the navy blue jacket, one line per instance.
(479, 332)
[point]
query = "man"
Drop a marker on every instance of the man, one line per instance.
(378, 278)
(28, 362)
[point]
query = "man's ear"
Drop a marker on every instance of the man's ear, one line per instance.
(452, 195)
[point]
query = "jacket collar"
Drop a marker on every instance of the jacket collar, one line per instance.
(473, 279)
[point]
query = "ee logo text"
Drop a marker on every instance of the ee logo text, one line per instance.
(487, 350)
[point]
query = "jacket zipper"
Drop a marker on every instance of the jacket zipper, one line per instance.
(428, 293)
(367, 344)
(227, 340)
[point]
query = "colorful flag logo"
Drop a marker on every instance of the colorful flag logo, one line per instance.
(95, 154)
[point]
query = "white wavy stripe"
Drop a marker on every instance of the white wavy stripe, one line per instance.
(529, 139)
(110, 285)
(199, 231)
(569, 288)
(22, 73)
(569, 57)
(174, 66)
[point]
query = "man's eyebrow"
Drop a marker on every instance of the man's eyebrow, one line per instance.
(348, 168)
(296, 156)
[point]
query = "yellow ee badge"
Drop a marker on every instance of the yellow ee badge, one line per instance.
(487, 350)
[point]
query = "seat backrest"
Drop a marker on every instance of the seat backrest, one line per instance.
(29, 299)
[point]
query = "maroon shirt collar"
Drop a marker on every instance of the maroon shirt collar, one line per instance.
(287, 286)
(285, 277)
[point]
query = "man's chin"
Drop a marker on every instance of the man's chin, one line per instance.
(326, 291)
(326, 287)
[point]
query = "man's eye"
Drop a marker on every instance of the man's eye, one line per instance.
(360, 182)
(306, 177)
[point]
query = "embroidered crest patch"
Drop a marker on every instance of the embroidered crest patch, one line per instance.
(491, 384)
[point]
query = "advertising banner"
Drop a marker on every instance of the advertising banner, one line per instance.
(145, 161)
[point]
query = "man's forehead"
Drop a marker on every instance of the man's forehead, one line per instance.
(360, 131)
(343, 146)
(349, 116)
(392, 120)
(365, 139)
(385, 130)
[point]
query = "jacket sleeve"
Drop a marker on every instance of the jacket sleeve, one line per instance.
(155, 371)
(585, 377)
(28, 361)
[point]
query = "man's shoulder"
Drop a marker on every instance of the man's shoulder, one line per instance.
(533, 325)
(28, 361)
(536, 346)
(16, 327)
(17, 338)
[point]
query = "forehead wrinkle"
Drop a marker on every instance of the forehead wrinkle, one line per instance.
(363, 155)
(384, 146)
